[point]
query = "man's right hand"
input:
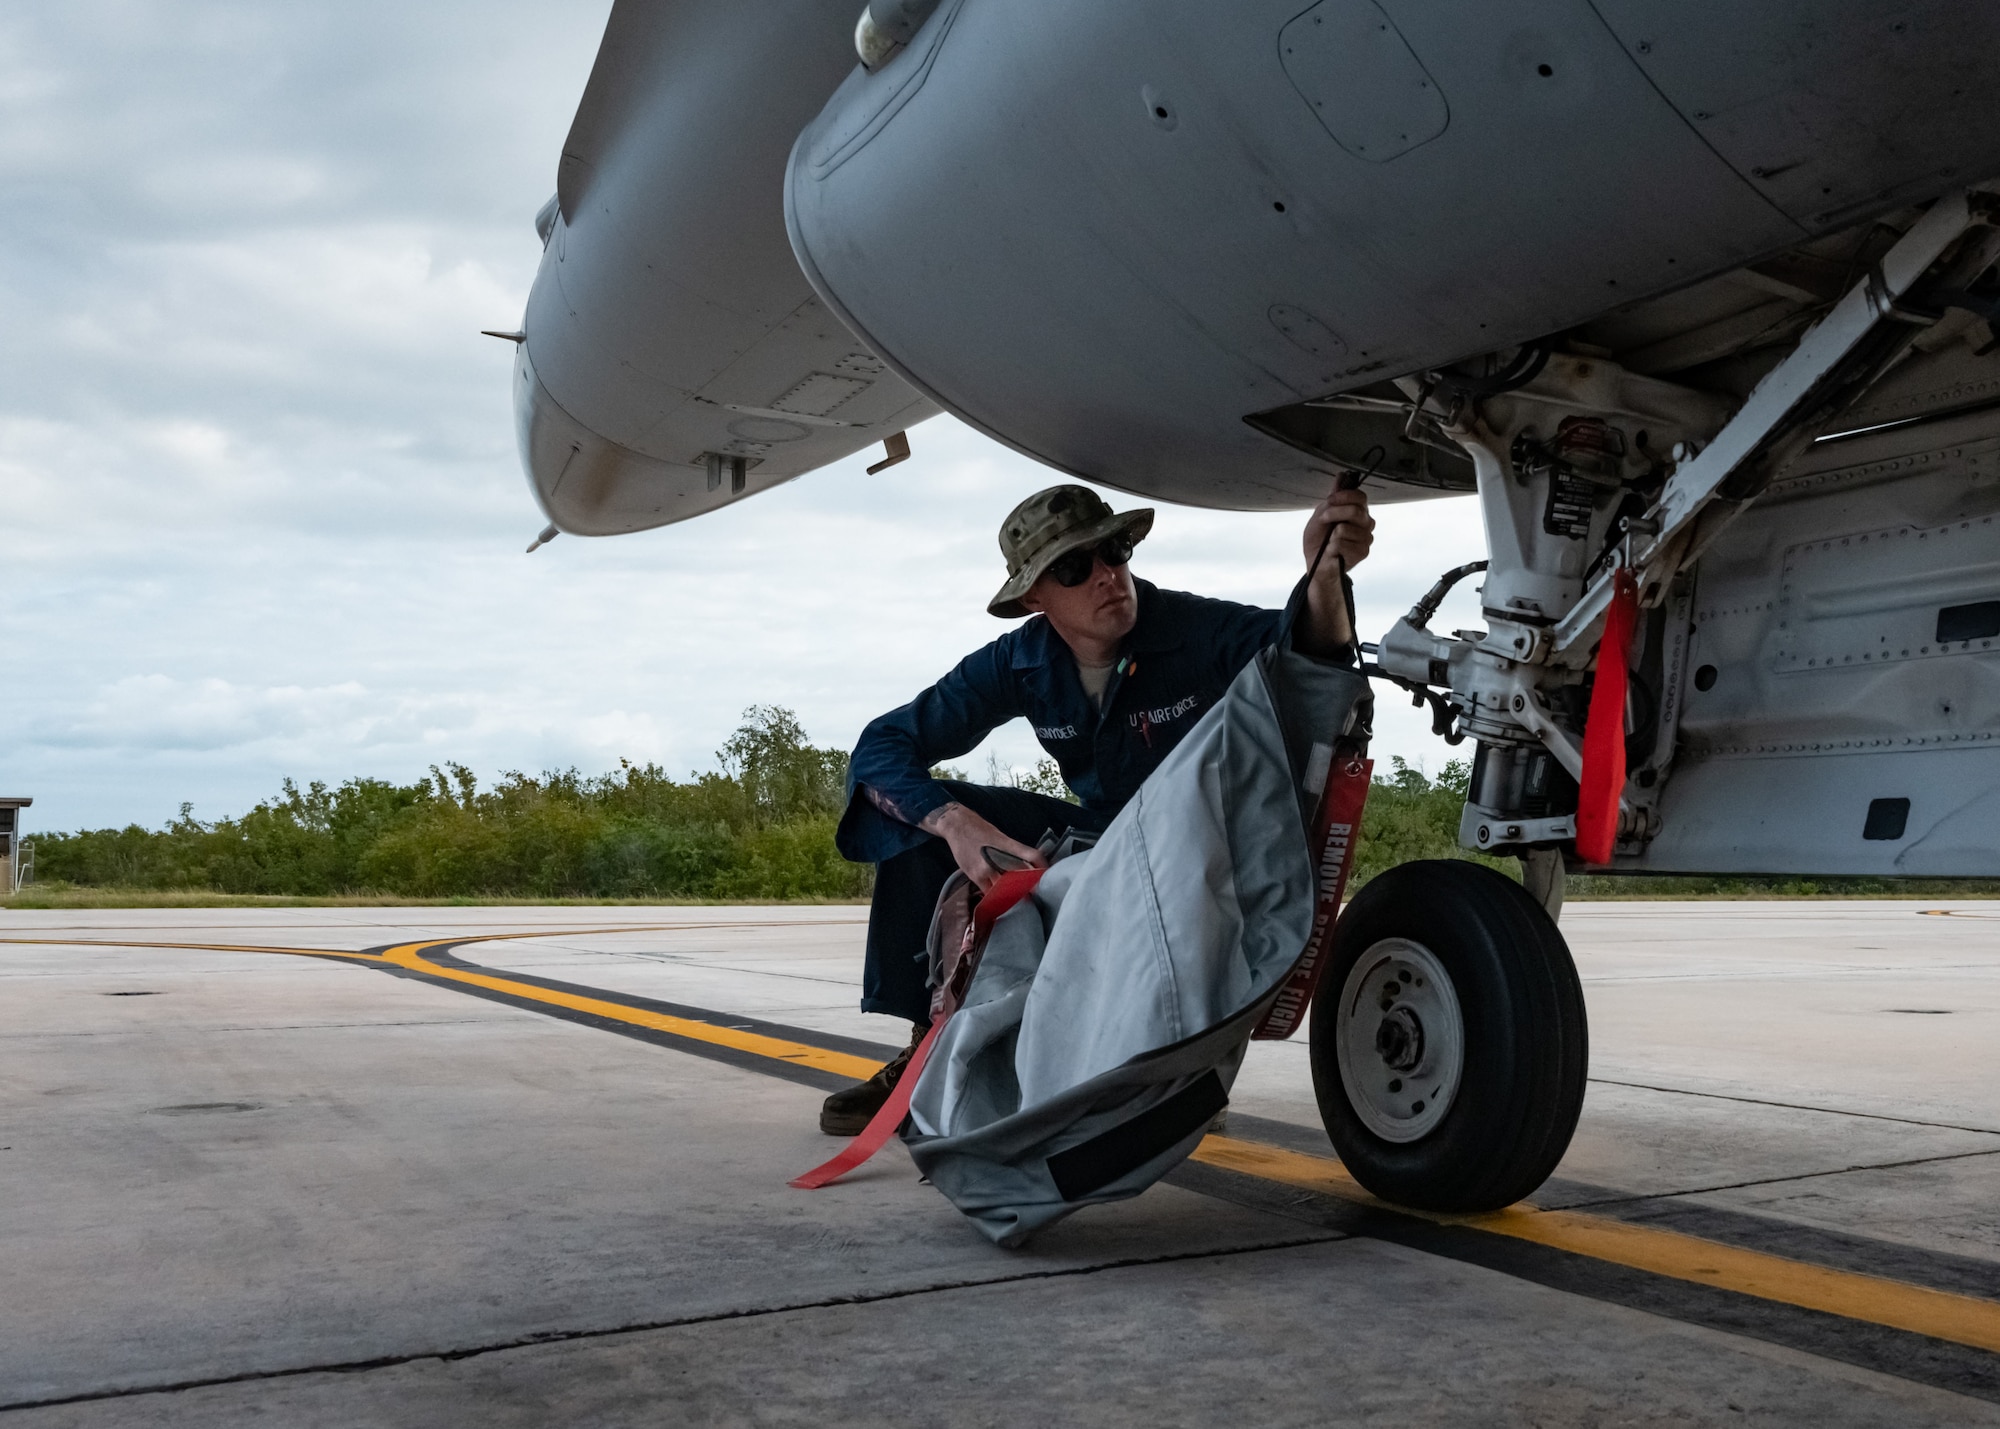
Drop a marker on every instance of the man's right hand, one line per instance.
(969, 837)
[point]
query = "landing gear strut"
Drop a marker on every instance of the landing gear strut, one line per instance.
(1449, 1050)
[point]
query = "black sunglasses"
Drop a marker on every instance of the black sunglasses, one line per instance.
(1073, 568)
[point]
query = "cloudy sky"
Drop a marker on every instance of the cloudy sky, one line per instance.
(262, 512)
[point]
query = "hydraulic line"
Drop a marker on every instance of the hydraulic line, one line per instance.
(1421, 613)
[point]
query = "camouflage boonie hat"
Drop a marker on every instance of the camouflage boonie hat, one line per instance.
(1050, 524)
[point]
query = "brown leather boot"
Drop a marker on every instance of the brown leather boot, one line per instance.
(848, 1112)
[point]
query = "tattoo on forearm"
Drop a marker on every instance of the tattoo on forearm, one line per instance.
(933, 822)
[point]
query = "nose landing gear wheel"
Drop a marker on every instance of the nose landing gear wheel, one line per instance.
(1449, 1047)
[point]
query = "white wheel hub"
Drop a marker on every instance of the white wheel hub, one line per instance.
(1400, 1040)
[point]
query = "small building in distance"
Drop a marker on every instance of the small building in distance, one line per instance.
(10, 843)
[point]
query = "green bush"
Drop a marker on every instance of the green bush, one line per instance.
(760, 828)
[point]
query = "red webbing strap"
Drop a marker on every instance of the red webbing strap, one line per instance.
(1604, 729)
(880, 1127)
(1007, 890)
(1334, 830)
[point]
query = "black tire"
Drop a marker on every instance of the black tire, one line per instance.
(1524, 1042)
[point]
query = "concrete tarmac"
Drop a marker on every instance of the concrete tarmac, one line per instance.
(262, 1186)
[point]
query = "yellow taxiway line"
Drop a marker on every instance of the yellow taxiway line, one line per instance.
(411, 956)
(799, 1054)
(1961, 1319)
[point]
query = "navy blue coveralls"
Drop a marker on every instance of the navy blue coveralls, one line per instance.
(1182, 654)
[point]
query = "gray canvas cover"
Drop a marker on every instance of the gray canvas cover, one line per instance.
(1111, 1010)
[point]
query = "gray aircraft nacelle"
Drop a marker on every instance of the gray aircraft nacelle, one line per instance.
(1699, 299)
(673, 358)
(1108, 234)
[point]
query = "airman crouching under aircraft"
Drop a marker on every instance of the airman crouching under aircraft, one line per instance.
(1111, 673)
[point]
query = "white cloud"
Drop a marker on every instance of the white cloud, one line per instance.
(158, 712)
